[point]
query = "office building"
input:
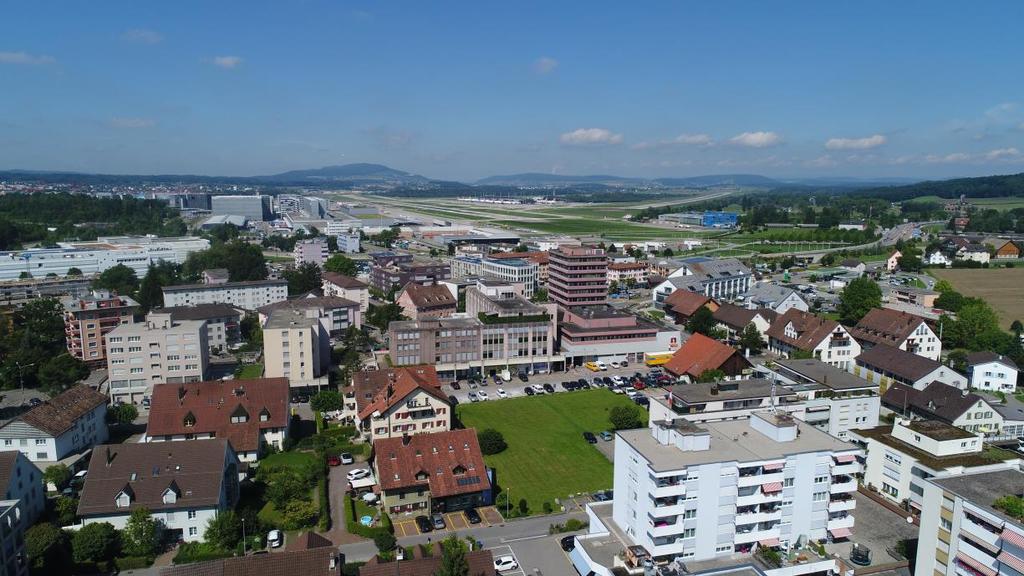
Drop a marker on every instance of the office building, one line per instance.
(725, 400)
(88, 320)
(311, 250)
(513, 270)
(541, 259)
(16, 293)
(248, 295)
(153, 352)
(515, 333)
(59, 430)
(253, 207)
(297, 346)
(577, 276)
(605, 333)
(91, 258)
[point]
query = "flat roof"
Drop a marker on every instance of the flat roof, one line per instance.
(724, 390)
(225, 286)
(289, 318)
(731, 440)
(987, 456)
(984, 488)
(825, 374)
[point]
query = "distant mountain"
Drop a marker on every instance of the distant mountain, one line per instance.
(979, 187)
(354, 173)
(849, 182)
(539, 179)
(744, 180)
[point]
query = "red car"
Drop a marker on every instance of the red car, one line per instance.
(333, 461)
(638, 385)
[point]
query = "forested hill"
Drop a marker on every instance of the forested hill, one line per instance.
(980, 187)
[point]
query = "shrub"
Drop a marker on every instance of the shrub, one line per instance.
(547, 507)
(122, 414)
(524, 509)
(47, 549)
(95, 542)
(132, 562)
(65, 509)
(223, 530)
(625, 417)
(326, 401)
(491, 441)
(298, 514)
(190, 552)
(325, 505)
(58, 475)
(385, 541)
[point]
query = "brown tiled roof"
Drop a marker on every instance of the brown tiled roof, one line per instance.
(324, 302)
(686, 302)
(200, 311)
(898, 362)
(196, 467)
(810, 329)
(314, 562)
(480, 562)
(738, 318)
(940, 401)
(431, 461)
(429, 295)
(698, 354)
(213, 403)
(627, 266)
(58, 414)
(343, 281)
(388, 391)
(367, 383)
(886, 326)
(308, 541)
(975, 358)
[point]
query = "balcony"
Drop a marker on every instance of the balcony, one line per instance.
(845, 469)
(842, 520)
(759, 479)
(841, 484)
(672, 507)
(756, 535)
(759, 516)
(669, 490)
(662, 528)
(841, 504)
(758, 497)
(979, 532)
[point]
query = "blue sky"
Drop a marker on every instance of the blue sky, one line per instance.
(463, 90)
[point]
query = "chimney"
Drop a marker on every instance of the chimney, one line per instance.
(110, 457)
(406, 439)
(181, 393)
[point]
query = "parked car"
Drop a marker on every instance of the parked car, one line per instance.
(496, 380)
(529, 391)
(438, 520)
(275, 538)
(656, 370)
(642, 400)
(601, 365)
(540, 389)
(590, 438)
(603, 496)
(483, 395)
(502, 393)
(474, 397)
(333, 461)
(472, 385)
(145, 403)
(568, 386)
(505, 563)
(346, 458)
(358, 473)
(472, 516)
(424, 524)
(456, 385)
(606, 436)
(524, 377)
(568, 543)
(616, 364)
(618, 380)
(549, 388)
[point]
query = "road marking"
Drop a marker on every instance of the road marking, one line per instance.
(524, 538)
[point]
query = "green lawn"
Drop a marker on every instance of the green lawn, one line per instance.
(289, 459)
(613, 229)
(250, 371)
(547, 457)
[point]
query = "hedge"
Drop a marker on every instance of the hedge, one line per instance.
(133, 562)
(354, 527)
(199, 552)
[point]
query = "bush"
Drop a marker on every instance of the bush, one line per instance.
(96, 542)
(47, 549)
(122, 414)
(547, 507)
(58, 475)
(133, 562)
(325, 505)
(224, 530)
(491, 441)
(385, 541)
(189, 552)
(625, 417)
(298, 514)
(65, 509)
(326, 401)
(524, 508)
(571, 525)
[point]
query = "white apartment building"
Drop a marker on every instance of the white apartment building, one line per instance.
(901, 456)
(297, 346)
(512, 270)
(64, 426)
(963, 533)
(725, 400)
(834, 400)
(12, 539)
(721, 278)
(248, 295)
(153, 352)
(704, 491)
(22, 481)
(992, 372)
(135, 252)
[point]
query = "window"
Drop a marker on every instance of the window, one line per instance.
(193, 531)
(819, 496)
(946, 524)
(40, 441)
(689, 533)
(191, 514)
(788, 482)
(820, 479)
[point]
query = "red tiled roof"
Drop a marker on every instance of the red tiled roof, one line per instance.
(212, 405)
(371, 387)
(314, 562)
(446, 463)
(698, 354)
(429, 295)
(627, 266)
(810, 329)
(480, 563)
(686, 302)
(886, 326)
(58, 414)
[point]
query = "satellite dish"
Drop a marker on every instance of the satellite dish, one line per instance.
(910, 519)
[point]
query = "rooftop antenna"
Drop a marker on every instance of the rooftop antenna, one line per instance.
(774, 411)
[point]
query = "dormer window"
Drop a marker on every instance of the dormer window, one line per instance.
(124, 497)
(239, 416)
(170, 495)
(264, 415)
(459, 470)
(190, 420)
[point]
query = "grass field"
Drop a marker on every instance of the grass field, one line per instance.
(250, 371)
(547, 457)
(1000, 287)
(1001, 203)
(610, 229)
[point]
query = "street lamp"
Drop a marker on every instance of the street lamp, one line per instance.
(507, 500)
(21, 376)
(243, 537)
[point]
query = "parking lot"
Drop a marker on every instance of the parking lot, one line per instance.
(536, 555)
(406, 525)
(516, 388)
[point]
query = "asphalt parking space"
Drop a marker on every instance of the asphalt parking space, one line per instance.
(542, 556)
(405, 528)
(490, 515)
(456, 520)
(516, 388)
(506, 550)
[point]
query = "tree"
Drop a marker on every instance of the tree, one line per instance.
(668, 253)
(61, 372)
(298, 514)
(341, 264)
(702, 322)
(326, 401)
(74, 272)
(540, 296)
(613, 287)
(95, 542)
(711, 376)
(66, 510)
(453, 557)
(385, 541)
(58, 475)
(119, 279)
(223, 530)
(251, 330)
(122, 414)
(625, 417)
(491, 441)
(950, 300)
(859, 297)
(957, 360)
(140, 535)
(25, 275)
(304, 278)
(151, 293)
(242, 260)
(1016, 327)
(750, 339)
(380, 316)
(47, 549)
(943, 286)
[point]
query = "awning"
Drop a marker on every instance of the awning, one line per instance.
(840, 533)
(845, 458)
(974, 564)
(773, 466)
(771, 542)
(771, 487)
(993, 548)
(1013, 537)
(1012, 561)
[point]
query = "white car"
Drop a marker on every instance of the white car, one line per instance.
(482, 395)
(618, 380)
(537, 389)
(502, 393)
(358, 473)
(275, 538)
(616, 364)
(505, 563)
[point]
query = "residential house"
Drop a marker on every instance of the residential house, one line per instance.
(901, 455)
(312, 560)
(700, 354)
(801, 333)
(884, 365)
(478, 563)
(938, 258)
(223, 323)
(338, 314)
(734, 319)
(408, 404)
(682, 304)
(776, 298)
(944, 403)
(21, 482)
(60, 429)
(901, 330)
(627, 273)
(367, 384)
(853, 265)
(992, 372)
(974, 252)
(437, 472)
(423, 301)
(1004, 249)
(88, 319)
(893, 261)
(253, 415)
(182, 484)
(835, 400)
(346, 287)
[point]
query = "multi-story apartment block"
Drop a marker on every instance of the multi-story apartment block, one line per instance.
(223, 323)
(725, 400)
(13, 557)
(23, 482)
(388, 277)
(338, 313)
(255, 208)
(886, 365)
(698, 492)
(182, 484)
(158, 350)
(64, 426)
(628, 273)
(991, 371)
(836, 401)
(822, 338)
(297, 346)
(453, 344)
(722, 279)
(135, 252)
(966, 530)
(901, 330)
(346, 287)
(577, 276)
(248, 295)
(88, 320)
(311, 250)
(902, 455)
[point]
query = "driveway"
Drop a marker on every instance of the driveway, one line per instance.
(337, 484)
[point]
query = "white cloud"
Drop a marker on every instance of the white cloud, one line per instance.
(954, 158)
(132, 123)
(1004, 154)
(143, 36)
(856, 143)
(756, 139)
(590, 137)
(681, 140)
(227, 62)
(25, 58)
(545, 65)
